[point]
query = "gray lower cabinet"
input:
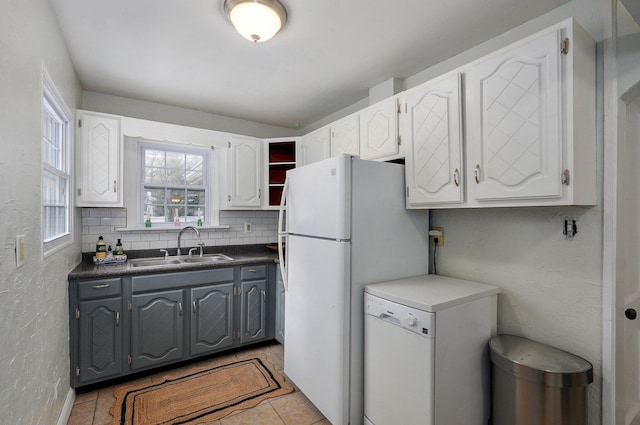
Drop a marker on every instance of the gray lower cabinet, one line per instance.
(96, 318)
(132, 323)
(157, 328)
(253, 315)
(212, 315)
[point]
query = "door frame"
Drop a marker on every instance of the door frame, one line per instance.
(612, 293)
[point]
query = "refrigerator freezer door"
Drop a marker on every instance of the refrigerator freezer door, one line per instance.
(316, 355)
(319, 199)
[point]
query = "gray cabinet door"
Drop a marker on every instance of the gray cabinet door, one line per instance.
(157, 328)
(253, 311)
(100, 350)
(211, 318)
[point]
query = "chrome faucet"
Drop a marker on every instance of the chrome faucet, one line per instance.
(178, 253)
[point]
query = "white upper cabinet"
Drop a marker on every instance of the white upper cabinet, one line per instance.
(523, 144)
(244, 172)
(99, 160)
(345, 136)
(432, 129)
(314, 146)
(379, 131)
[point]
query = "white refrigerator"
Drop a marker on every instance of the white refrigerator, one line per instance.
(346, 226)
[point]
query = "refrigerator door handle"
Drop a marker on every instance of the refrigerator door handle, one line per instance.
(282, 233)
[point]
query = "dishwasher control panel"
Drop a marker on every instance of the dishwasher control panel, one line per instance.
(409, 318)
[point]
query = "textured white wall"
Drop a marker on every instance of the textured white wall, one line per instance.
(33, 318)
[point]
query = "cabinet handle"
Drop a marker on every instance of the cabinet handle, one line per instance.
(180, 309)
(264, 296)
(114, 186)
(195, 308)
(456, 178)
(259, 193)
(253, 270)
(117, 318)
(104, 285)
(476, 173)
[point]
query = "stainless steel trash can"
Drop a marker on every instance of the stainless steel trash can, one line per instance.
(535, 384)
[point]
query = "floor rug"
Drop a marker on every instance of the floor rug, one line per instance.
(198, 396)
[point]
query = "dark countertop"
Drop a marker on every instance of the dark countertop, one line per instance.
(241, 254)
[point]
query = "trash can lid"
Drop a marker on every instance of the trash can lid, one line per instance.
(539, 363)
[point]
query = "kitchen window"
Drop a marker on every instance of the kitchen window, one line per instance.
(56, 169)
(174, 182)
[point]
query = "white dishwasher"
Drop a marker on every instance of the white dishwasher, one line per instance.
(426, 358)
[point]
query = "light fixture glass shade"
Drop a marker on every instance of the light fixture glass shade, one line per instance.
(256, 20)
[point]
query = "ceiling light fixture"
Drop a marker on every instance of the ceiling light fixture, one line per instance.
(256, 20)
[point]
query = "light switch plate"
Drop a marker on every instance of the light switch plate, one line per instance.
(20, 252)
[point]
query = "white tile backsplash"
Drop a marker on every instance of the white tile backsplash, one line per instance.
(103, 222)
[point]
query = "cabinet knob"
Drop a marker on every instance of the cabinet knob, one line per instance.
(630, 313)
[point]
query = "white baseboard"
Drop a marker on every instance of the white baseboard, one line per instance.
(66, 409)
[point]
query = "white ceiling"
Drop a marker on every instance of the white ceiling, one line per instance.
(185, 52)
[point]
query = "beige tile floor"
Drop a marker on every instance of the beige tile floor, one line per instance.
(92, 408)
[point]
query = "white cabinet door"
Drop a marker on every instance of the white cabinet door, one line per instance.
(345, 136)
(433, 133)
(245, 172)
(514, 123)
(314, 146)
(99, 160)
(379, 130)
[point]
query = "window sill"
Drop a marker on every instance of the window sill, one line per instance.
(167, 228)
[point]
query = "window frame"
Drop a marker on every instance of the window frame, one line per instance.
(54, 106)
(144, 145)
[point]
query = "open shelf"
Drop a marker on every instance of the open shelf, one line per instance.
(282, 157)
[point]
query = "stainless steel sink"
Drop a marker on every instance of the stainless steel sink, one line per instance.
(168, 261)
(153, 262)
(209, 258)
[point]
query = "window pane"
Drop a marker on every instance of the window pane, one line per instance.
(54, 202)
(154, 175)
(54, 190)
(156, 213)
(195, 197)
(52, 140)
(154, 158)
(176, 196)
(195, 178)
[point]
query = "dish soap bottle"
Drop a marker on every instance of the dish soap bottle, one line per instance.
(199, 223)
(118, 250)
(101, 248)
(147, 220)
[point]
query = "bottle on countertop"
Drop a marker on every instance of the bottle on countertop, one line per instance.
(119, 250)
(109, 252)
(176, 218)
(147, 220)
(101, 248)
(199, 223)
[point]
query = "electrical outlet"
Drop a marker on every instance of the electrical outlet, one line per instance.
(436, 236)
(20, 251)
(247, 227)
